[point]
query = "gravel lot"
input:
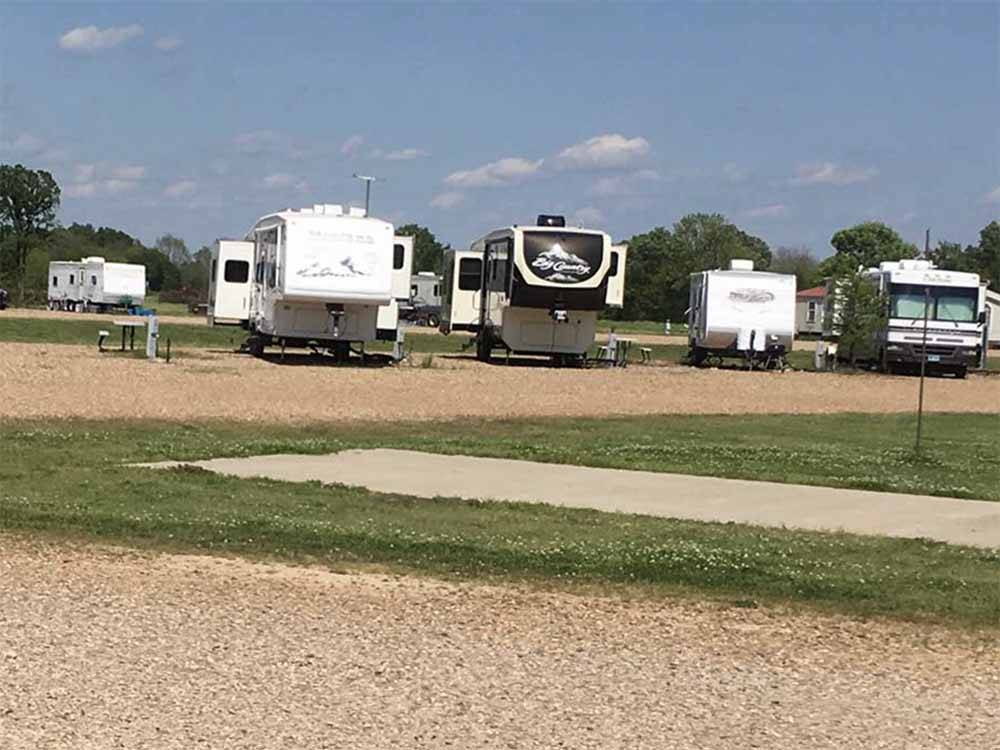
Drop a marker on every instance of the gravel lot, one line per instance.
(108, 648)
(72, 381)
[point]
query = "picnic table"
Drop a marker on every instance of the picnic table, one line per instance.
(128, 330)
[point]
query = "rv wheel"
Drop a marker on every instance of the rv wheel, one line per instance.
(433, 321)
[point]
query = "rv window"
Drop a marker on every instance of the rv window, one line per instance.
(470, 271)
(811, 313)
(93, 281)
(614, 265)
(397, 256)
(71, 279)
(437, 290)
(214, 264)
(236, 271)
(55, 281)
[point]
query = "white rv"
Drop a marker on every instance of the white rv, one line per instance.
(388, 315)
(533, 290)
(320, 276)
(94, 284)
(741, 313)
(955, 310)
(229, 285)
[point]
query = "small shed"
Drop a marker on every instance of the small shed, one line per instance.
(809, 310)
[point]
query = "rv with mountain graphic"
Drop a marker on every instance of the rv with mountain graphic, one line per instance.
(533, 289)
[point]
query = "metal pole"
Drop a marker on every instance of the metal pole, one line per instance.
(923, 367)
(368, 180)
(927, 243)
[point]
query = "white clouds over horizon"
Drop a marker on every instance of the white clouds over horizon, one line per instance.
(774, 210)
(447, 200)
(92, 39)
(90, 180)
(403, 154)
(588, 216)
(608, 151)
(630, 183)
(829, 173)
(180, 189)
(505, 171)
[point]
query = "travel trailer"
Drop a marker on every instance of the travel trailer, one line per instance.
(95, 284)
(741, 313)
(229, 286)
(956, 317)
(320, 275)
(533, 290)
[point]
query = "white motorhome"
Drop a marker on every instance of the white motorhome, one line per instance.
(95, 284)
(741, 313)
(533, 290)
(320, 276)
(230, 283)
(955, 310)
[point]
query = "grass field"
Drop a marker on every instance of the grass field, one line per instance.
(71, 479)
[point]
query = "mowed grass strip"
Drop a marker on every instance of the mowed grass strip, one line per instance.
(72, 479)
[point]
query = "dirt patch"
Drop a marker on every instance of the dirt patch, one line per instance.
(103, 647)
(74, 381)
(24, 312)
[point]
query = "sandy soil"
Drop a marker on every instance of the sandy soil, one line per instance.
(63, 381)
(105, 648)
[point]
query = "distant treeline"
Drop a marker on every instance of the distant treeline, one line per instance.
(660, 261)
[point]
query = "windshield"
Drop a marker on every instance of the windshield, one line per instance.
(951, 303)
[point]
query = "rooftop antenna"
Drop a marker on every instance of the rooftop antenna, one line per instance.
(927, 244)
(368, 180)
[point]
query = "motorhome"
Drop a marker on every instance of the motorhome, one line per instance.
(320, 275)
(952, 301)
(533, 290)
(93, 284)
(741, 313)
(230, 283)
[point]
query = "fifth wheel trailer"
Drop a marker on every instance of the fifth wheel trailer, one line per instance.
(232, 279)
(533, 290)
(320, 275)
(741, 313)
(95, 284)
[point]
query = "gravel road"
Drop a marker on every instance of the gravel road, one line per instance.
(108, 648)
(73, 381)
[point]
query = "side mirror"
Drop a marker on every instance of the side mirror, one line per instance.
(982, 318)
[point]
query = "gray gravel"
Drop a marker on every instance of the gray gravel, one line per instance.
(104, 648)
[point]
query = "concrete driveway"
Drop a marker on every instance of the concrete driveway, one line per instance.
(969, 522)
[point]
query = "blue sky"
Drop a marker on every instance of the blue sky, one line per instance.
(792, 120)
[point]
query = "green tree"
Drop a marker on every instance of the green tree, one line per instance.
(427, 251)
(952, 256)
(799, 262)
(987, 254)
(857, 313)
(865, 245)
(28, 203)
(660, 263)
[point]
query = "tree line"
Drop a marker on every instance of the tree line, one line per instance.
(657, 277)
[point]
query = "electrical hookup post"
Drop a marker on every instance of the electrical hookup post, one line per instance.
(152, 337)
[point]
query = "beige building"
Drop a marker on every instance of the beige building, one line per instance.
(809, 310)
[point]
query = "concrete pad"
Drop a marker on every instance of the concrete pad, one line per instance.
(970, 522)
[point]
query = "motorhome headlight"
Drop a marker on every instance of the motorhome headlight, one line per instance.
(893, 348)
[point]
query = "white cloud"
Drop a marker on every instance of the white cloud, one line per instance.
(588, 216)
(611, 150)
(80, 190)
(180, 188)
(625, 184)
(352, 144)
(25, 143)
(767, 212)
(502, 172)
(828, 173)
(733, 173)
(257, 141)
(85, 172)
(278, 180)
(168, 43)
(993, 196)
(403, 154)
(128, 172)
(93, 39)
(447, 200)
(116, 185)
